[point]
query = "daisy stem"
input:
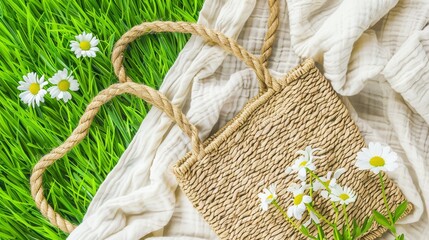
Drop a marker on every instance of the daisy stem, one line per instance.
(275, 203)
(347, 217)
(311, 209)
(311, 183)
(318, 179)
(310, 206)
(337, 212)
(386, 204)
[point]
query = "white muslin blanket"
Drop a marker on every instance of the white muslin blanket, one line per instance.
(374, 52)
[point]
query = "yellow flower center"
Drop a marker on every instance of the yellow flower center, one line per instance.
(85, 45)
(34, 88)
(344, 196)
(64, 85)
(270, 197)
(298, 199)
(377, 161)
(303, 163)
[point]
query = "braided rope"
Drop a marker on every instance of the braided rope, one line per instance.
(144, 92)
(151, 96)
(228, 44)
(270, 35)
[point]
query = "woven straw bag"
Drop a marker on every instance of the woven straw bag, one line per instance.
(223, 175)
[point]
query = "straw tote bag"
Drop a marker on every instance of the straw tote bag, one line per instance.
(223, 175)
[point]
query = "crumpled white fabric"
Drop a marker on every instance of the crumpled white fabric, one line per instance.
(374, 52)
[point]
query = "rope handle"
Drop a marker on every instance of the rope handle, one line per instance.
(270, 36)
(146, 93)
(212, 36)
(156, 98)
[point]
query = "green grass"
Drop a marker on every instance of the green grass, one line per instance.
(35, 36)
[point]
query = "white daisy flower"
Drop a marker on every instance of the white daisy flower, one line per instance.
(63, 82)
(342, 195)
(303, 162)
(330, 180)
(300, 166)
(299, 200)
(376, 158)
(268, 196)
(313, 217)
(86, 45)
(308, 153)
(33, 89)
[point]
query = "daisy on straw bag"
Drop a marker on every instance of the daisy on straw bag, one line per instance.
(335, 190)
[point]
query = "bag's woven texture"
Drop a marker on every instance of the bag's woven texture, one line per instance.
(223, 175)
(254, 149)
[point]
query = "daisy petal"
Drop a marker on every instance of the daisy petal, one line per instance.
(290, 211)
(339, 172)
(306, 199)
(324, 194)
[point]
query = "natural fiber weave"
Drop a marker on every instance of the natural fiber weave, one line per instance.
(254, 149)
(223, 175)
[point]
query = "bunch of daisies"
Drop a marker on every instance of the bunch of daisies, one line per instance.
(376, 158)
(62, 81)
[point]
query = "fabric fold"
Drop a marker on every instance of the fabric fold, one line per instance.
(373, 52)
(138, 196)
(407, 67)
(329, 32)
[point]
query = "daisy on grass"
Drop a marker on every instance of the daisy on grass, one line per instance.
(304, 161)
(86, 45)
(342, 195)
(299, 200)
(63, 82)
(376, 158)
(268, 196)
(330, 180)
(33, 89)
